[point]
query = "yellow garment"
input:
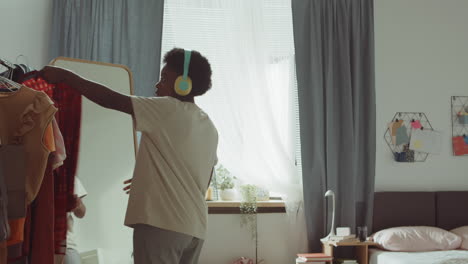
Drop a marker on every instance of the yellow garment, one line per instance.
(24, 117)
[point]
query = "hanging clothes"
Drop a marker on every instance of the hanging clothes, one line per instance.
(43, 223)
(25, 120)
(41, 218)
(3, 252)
(15, 177)
(25, 116)
(42, 242)
(4, 214)
(43, 205)
(39, 84)
(60, 152)
(27, 235)
(16, 242)
(4, 225)
(69, 123)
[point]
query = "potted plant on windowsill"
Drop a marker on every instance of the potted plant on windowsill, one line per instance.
(226, 184)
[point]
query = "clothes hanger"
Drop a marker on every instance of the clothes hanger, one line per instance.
(7, 64)
(10, 68)
(6, 76)
(16, 72)
(9, 84)
(24, 66)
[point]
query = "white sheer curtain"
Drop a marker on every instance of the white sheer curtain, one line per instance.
(253, 102)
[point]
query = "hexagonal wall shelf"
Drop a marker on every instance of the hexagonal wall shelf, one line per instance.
(407, 118)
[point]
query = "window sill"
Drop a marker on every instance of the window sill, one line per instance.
(232, 207)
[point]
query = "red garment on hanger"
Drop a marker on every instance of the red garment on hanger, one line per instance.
(42, 241)
(69, 122)
(27, 233)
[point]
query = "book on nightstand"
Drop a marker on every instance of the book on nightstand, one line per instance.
(313, 258)
(303, 261)
(346, 261)
(342, 238)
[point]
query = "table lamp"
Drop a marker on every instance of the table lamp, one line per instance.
(332, 231)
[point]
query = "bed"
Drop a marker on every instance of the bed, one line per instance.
(377, 256)
(446, 210)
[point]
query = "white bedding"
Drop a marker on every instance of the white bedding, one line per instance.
(377, 256)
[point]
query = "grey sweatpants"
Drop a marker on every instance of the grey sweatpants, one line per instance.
(152, 245)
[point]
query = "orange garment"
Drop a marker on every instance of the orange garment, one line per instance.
(48, 139)
(17, 231)
(25, 116)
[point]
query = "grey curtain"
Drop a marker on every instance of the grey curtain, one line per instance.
(334, 42)
(125, 32)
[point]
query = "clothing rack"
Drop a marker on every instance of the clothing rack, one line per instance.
(36, 226)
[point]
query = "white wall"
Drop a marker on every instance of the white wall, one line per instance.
(25, 30)
(421, 61)
(279, 239)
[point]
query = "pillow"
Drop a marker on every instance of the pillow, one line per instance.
(417, 238)
(463, 233)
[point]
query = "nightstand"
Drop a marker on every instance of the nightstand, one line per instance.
(361, 249)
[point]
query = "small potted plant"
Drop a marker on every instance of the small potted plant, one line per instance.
(225, 184)
(263, 194)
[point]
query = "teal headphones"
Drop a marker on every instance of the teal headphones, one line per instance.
(183, 83)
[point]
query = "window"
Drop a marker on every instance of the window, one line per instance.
(253, 102)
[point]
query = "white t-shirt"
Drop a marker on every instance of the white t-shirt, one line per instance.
(80, 191)
(173, 168)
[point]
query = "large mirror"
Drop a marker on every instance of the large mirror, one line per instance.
(106, 159)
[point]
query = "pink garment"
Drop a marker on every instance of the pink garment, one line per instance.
(60, 153)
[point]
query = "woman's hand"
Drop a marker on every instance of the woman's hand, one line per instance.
(55, 75)
(129, 186)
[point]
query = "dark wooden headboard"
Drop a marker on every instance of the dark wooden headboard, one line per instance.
(446, 210)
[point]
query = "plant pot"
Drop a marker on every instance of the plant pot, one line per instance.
(263, 195)
(228, 194)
